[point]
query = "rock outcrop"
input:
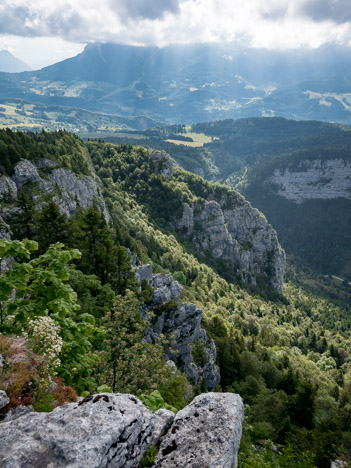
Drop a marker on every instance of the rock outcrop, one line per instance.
(103, 430)
(191, 349)
(4, 399)
(205, 434)
(68, 190)
(8, 188)
(115, 430)
(235, 232)
(162, 163)
(315, 179)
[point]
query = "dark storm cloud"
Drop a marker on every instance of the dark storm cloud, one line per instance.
(144, 9)
(338, 11)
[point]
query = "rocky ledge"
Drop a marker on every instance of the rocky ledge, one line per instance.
(235, 232)
(115, 430)
(67, 190)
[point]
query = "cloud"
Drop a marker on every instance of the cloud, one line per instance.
(272, 24)
(150, 9)
(337, 11)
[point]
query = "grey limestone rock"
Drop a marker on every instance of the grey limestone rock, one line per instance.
(4, 399)
(4, 229)
(339, 464)
(163, 164)
(182, 326)
(165, 289)
(72, 190)
(114, 431)
(17, 412)
(163, 421)
(2, 361)
(205, 434)
(7, 187)
(237, 233)
(25, 171)
(143, 273)
(104, 430)
(312, 179)
(82, 189)
(45, 163)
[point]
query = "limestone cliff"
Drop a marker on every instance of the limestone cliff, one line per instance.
(66, 189)
(192, 350)
(312, 179)
(232, 230)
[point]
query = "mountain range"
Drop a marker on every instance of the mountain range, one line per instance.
(187, 84)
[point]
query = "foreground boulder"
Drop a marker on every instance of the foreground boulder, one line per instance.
(104, 430)
(115, 431)
(205, 434)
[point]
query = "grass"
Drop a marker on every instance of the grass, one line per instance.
(199, 139)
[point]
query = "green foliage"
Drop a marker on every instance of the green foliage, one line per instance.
(129, 364)
(279, 355)
(149, 458)
(154, 402)
(64, 148)
(100, 254)
(104, 389)
(199, 354)
(52, 226)
(42, 289)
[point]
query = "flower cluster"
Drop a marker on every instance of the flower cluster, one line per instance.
(44, 339)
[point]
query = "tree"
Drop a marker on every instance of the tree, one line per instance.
(53, 226)
(130, 364)
(39, 287)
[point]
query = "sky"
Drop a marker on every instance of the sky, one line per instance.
(42, 32)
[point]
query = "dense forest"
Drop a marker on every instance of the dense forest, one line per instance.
(244, 153)
(288, 357)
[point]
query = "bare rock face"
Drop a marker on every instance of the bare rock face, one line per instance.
(104, 430)
(143, 273)
(237, 233)
(192, 350)
(315, 179)
(7, 187)
(74, 188)
(162, 163)
(25, 171)
(205, 434)
(163, 421)
(165, 289)
(19, 411)
(67, 188)
(4, 399)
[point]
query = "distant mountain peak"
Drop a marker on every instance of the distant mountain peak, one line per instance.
(11, 64)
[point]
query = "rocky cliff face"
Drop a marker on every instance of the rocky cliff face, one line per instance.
(115, 431)
(314, 179)
(66, 188)
(235, 232)
(192, 350)
(162, 163)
